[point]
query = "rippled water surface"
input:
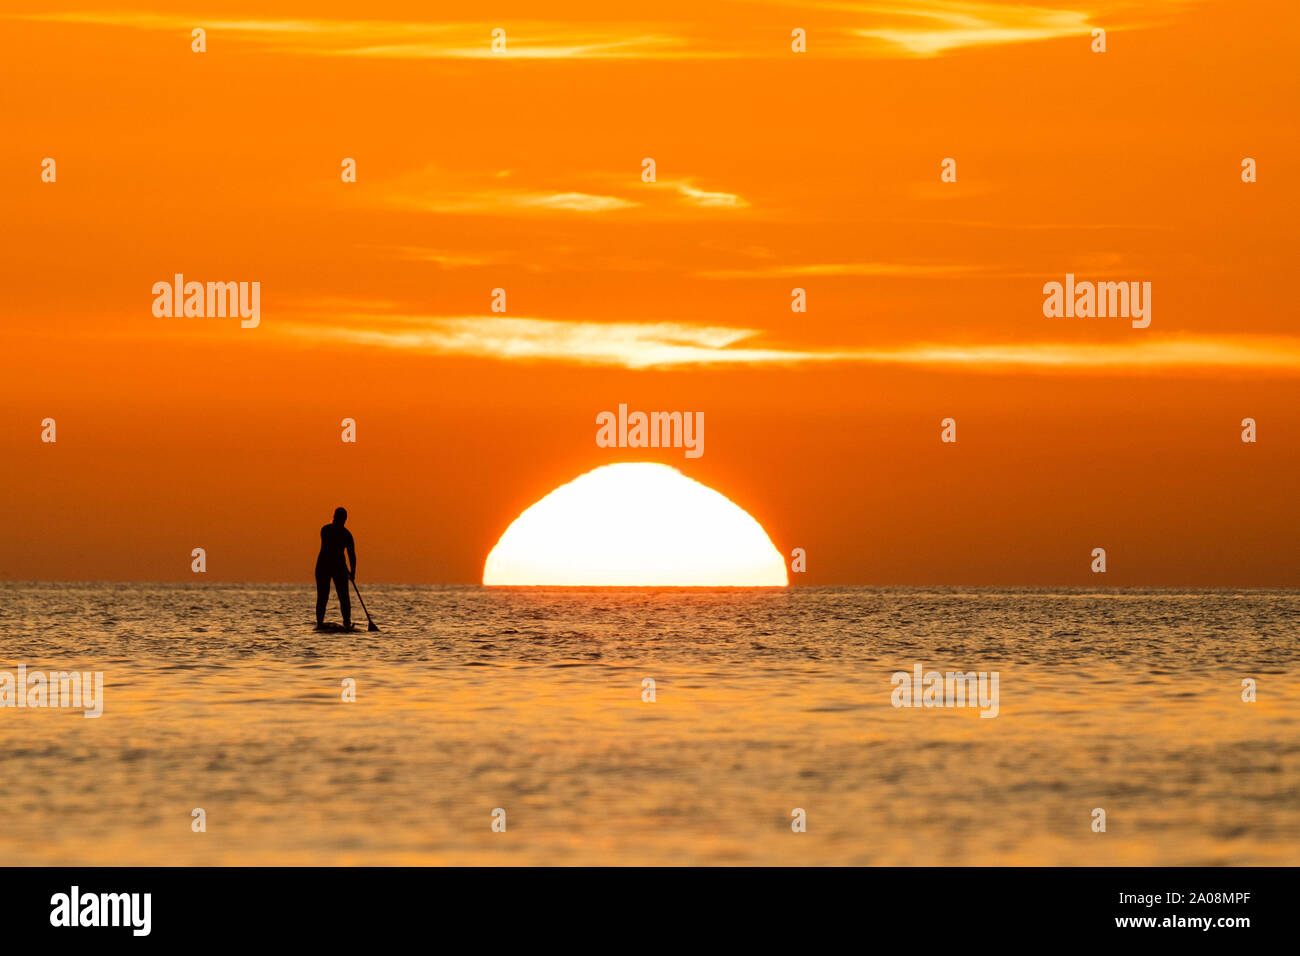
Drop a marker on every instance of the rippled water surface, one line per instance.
(223, 697)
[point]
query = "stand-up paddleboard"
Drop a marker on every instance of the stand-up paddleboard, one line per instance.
(334, 627)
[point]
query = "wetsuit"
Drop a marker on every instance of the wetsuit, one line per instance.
(330, 566)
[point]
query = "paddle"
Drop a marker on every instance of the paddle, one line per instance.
(371, 625)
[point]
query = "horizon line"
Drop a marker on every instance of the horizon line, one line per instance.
(309, 585)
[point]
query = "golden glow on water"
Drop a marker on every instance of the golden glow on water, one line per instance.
(709, 773)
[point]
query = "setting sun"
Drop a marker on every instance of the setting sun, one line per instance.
(635, 525)
(757, 433)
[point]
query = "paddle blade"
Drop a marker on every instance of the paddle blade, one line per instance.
(372, 626)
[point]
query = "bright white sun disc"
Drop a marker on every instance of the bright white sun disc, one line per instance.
(635, 524)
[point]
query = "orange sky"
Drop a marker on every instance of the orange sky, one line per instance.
(774, 170)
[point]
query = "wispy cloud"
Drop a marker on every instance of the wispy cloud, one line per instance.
(662, 344)
(438, 192)
(404, 39)
(575, 202)
(450, 192)
(627, 344)
(920, 28)
(930, 28)
(535, 43)
(703, 197)
(515, 201)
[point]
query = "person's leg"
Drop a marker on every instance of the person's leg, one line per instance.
(322, 595)
(345, 599)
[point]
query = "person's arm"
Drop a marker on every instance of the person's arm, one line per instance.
(352, 557)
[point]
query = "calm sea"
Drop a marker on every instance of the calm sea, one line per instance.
(222, 697)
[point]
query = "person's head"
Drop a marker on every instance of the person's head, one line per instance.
(340, 515)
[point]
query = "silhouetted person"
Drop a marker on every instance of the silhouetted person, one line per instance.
(331, 566)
